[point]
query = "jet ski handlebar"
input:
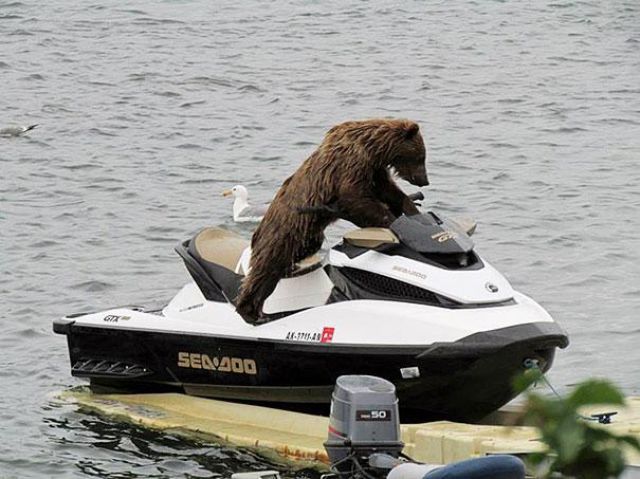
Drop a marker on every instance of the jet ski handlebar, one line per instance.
(417, 196)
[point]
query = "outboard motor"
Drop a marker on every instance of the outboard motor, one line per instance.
(363, 421)
(364, 439)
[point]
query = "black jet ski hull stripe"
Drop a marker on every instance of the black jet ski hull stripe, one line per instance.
(463, 380)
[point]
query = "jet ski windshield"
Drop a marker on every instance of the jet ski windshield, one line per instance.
(427, 233)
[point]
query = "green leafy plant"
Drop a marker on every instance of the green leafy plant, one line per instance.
(577, 447)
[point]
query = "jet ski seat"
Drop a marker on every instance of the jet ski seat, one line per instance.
(220, 246)
(211, 257)
(217, 260)
(231, 251)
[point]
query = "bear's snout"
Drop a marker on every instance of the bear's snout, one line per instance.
(419, 180)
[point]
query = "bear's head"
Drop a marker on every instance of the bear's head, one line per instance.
(408, 156)
(387, 143)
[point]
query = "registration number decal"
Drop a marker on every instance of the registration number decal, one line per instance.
(324, 336)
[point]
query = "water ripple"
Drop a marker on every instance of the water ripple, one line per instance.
(147, 111)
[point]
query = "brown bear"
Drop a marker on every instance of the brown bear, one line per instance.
(347, 177)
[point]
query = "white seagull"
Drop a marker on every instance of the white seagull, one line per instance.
(243, 212)
(12, 131)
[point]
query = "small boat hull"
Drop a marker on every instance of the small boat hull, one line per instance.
(463, 380)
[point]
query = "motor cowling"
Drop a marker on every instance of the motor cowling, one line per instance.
(364, 419)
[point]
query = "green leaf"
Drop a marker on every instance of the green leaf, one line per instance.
(632, 441)
(614, 462)
(577, 447)
(570, 438)
(595, 391)
(522, 382)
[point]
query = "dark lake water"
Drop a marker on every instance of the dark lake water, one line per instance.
(148, 110)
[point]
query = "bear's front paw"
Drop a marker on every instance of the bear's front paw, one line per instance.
(387, 220)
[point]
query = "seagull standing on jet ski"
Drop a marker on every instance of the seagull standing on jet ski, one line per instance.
(349, 173)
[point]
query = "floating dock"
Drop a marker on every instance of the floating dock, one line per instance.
(297, 438)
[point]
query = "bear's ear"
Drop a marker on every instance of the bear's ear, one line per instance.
(411, 130)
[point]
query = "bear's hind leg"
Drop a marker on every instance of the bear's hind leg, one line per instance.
(262, 279)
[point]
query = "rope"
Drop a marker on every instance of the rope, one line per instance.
(601, 418)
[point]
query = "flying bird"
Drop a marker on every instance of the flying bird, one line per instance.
(13, 131)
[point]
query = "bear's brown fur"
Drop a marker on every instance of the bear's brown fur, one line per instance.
(350, 172)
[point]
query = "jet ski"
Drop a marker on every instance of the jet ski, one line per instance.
(414, 304)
